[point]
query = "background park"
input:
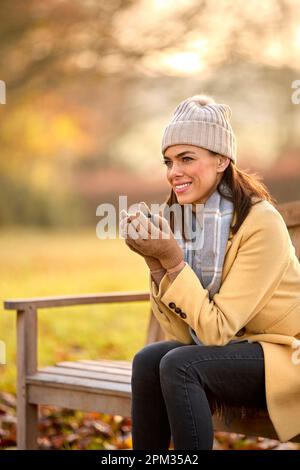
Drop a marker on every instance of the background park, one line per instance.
(90, 86)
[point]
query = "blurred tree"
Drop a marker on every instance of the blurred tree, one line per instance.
(70, 67)
(45, 43)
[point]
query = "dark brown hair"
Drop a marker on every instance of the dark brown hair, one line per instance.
(244, 186)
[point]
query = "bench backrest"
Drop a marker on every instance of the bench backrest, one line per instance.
(290, 212)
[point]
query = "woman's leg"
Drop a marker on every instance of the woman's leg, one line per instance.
(150, 425)
(233, 374)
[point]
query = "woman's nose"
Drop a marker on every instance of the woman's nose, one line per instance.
(175, 170)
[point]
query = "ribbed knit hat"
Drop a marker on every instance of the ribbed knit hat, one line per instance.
(200, 121)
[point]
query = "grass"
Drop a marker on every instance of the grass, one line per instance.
(37, 263)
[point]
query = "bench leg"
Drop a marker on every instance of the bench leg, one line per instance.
(27, 414)
(27, 426)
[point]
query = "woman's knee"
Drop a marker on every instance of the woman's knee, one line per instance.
(183, 364)
(175, 361)
(147, 360)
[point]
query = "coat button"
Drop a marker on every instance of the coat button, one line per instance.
(178, 310)
(241, 332)
(172, 305)
(183, 315)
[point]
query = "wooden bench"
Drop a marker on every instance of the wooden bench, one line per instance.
(102, 385)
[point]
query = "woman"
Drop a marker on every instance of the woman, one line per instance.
(230, 307)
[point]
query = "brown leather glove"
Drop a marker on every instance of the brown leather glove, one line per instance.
(154, 238)
(152, 262)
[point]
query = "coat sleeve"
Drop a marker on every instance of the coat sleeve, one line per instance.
(173, 327)
(261, 260)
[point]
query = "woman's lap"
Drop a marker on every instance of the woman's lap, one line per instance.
(234, 372)
(174, 385)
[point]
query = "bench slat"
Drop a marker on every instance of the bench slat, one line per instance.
(77, 383)
(93, 401)
(110, 362)
(95, 367)
(63, 371)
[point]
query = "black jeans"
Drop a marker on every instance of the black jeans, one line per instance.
(171, 383)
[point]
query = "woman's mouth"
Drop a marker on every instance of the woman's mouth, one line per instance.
(182, 188)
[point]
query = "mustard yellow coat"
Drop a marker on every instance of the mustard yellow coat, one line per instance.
(259, 298)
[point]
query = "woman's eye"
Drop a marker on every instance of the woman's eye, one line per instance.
(168, 163)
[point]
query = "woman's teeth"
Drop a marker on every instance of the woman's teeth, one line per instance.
(182, 187)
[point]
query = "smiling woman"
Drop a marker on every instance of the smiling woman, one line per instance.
(230, 308)
(203, 171)
(208, 154)
(193, 173)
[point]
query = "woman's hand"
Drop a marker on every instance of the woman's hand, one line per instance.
(154, 238)
(125, 219)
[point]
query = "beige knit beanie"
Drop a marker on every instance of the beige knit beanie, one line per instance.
(200, 121)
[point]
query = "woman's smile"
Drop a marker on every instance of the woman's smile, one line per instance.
(182, 187)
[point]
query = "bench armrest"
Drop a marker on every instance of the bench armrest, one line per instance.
(66, 300)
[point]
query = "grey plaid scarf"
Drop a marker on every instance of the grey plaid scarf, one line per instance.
(206, 258)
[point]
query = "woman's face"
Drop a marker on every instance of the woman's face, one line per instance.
(193, 172)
